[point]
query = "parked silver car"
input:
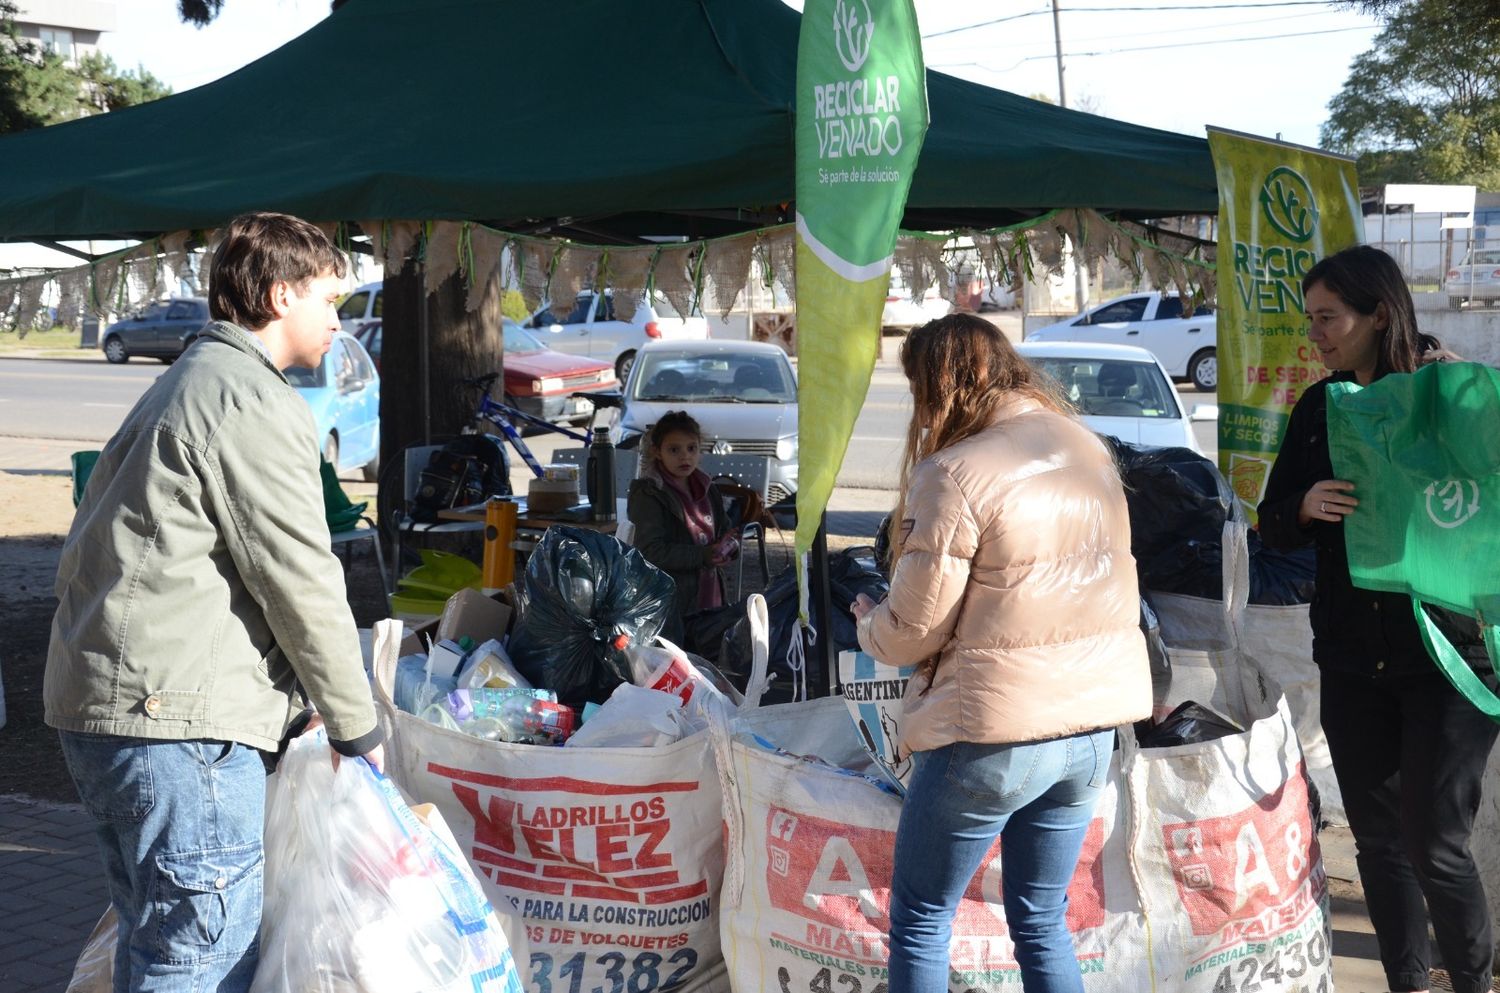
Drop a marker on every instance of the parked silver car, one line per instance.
(742, 393)
(1474, 280)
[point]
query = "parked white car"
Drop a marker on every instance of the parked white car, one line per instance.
(592, 329)
(1475, 280)
(360, 307)
(1120, 390)
(1185, 346)
(742, 393)
(904, 311)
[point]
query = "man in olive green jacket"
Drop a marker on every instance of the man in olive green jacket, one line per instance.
(198, 600)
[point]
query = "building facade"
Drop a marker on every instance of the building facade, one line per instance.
(71, 28)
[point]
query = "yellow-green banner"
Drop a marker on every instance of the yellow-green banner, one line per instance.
(1281, 209)
(861, 117)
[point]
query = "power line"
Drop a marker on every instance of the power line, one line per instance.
(985, 24)
(1143, 48)
(1200, 44)
(1110, 10)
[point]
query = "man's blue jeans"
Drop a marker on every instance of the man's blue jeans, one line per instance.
(179, 825)
(1038, 798)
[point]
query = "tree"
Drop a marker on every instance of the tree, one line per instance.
(32, 87)
(38, 87)
(1423, 105)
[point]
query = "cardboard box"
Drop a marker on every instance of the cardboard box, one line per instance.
(467, 612)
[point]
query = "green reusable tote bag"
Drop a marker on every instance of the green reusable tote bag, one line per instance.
(1423, 452)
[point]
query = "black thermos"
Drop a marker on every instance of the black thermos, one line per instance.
(601, 476)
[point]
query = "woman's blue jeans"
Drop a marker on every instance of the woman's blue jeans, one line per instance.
(1038, 798)
(180, 827)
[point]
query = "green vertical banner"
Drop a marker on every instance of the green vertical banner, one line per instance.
(861, 117)
(1281, 209)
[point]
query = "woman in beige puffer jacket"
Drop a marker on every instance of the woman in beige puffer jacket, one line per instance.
(1014, 593)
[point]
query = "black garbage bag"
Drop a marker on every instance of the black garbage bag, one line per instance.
(704, 630)
(1176, 497)
(1178, 503)
(1190, 724)
(850, 573)
(585, 599)
(1277, 578)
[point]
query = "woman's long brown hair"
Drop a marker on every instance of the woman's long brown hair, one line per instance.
(961, 368)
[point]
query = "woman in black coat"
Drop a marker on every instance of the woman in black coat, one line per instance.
(1409, 751)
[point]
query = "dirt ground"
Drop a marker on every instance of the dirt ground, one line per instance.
(38, 510)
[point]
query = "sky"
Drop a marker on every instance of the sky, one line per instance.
(1266, 70)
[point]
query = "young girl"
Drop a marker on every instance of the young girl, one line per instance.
(680, 524)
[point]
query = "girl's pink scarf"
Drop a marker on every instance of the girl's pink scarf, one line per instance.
(692, 493)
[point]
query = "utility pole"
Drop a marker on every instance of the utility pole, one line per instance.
(1080, 280)
(1062, 93)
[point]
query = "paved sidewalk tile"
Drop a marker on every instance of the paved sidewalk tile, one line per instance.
(51, 892)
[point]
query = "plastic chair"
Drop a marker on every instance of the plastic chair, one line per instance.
(83, 465)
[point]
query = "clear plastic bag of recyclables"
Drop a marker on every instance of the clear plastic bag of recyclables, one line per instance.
(362, 896)
(586, 598)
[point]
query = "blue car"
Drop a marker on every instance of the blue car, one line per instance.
(344, 394)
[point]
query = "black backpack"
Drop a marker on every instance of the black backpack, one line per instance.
(467, 470)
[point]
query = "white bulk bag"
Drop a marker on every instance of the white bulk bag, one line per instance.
(605, 861)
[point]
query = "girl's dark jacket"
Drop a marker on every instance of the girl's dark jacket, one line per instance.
(662, 536)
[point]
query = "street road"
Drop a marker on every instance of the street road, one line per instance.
(70, 400)
(86, 401)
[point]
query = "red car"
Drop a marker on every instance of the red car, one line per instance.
(538, 380)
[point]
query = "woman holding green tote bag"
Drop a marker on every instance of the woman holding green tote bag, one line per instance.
(1408, 749)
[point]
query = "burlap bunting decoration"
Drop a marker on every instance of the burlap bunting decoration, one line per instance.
(482, 266)
(179, 263)
(920, 264)
(534, 270)
(776, 251)
(8, 290)
(29, 303)
(442, 253)
(677, 275)
(72, 295)
(392, 242)
(628, 270)
(726, 270)
(138, 284)
(574, 270)
(106, 279)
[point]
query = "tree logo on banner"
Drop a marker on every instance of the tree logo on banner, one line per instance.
(1288, 202)
(1446, 503)
(851, 37)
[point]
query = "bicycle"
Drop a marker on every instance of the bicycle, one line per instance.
(506, 417)
(488, 412)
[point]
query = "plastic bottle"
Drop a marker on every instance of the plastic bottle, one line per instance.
(601, 477)
(528, 716)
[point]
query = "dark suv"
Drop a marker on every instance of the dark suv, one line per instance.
(161, 331)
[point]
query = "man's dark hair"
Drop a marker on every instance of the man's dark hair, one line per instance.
(258, 251)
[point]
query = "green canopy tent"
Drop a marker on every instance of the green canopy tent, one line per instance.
(601, 120)
(608, 122)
